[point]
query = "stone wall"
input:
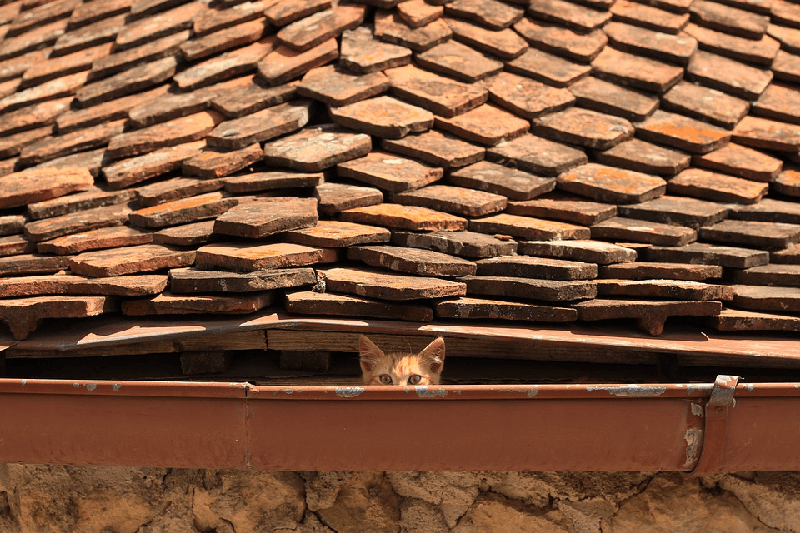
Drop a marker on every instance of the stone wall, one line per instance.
(44, 499)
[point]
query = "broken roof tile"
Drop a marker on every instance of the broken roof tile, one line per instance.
(682, 132)
(390, 27)
(175, 189)
(768, 210)
(108, 237)
(537, 155)
(338, 305)
(761, 51)
(741, 161)
(505, 43)
(337, 234)
(755, 234)
(509, 182)
(265, 181)
(129, 260)
(360, 52)
(412, 218)
(609, 184)
(575, 17)
(211, 163)
(728, 75)
(577, 45)
(547, 68)
(528, 228)
(443, 96)
(598, 252)
(312, 30)
(24, 314)
(389, 286)
(261, 126)
(193, 234)
(487, 125)
(706, 254)
(767, 134)
(537, 268)
(436, 148)
(716, 187)
(38, 185)
(650, 315)
(267, 216)
(191, 280)
(336, 87)
(383, 116)
(458, 61)
(705, 104)
(127, 172)
(635, 71)
(623, 229)
(565, 208)
(641, 156)
(285, 12)
(284, 64)
(417, 13)
(456, 200)
(390, 172)
(609, 98)
(314, 149)
(461, 243)
(664, 46)
(483, 308)
(649, 17)
(530, 289)
(677, 210)
(583, 127)
(729, 19)
(245, 257)
(526, 97)
(170, 304)
(412, 260)
(642, 270)
(336, 197)
(183, 211)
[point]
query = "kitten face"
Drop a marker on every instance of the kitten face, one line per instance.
(401, 369)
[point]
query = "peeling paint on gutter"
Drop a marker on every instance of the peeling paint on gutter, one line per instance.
(632, 391)
(349, 392)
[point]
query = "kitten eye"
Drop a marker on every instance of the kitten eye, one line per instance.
(414, 380)
(386, 379)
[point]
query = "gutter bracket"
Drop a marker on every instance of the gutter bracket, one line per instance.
(717, 413)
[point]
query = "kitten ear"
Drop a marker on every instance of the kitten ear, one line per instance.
(368, 352)
(433, 354)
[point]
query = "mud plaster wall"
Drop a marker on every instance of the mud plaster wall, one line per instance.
(43, 499)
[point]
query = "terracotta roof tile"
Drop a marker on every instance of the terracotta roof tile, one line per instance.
(218, 19)
(307, 33)
(537, 155)
(530, 289)
(576, 45)
(285, 12)
(661, 271)
(659, 45)
(39, 185)
(337, 234)
(487, 125)
(169, 304)
(251, 257)
(388, 286)
(729, 19)
(435, 148)
(390, 172)
(412, 218)
(767, 134)
(583, 127)
(153, 27)
(512, 183)
(761, 51)
(725, 256)
(623, 229)
(412, 260)
(92, 161)
(780, 299)
(768, 210)
(193, 234)
(16, 245)
(714, 186)
(336, 87)
(260, 126)
(641, 156)
(565, 208)
(708, 105)
(145, 8)
(317, 148)
(458, 61)
(667, 289)
(266, 216)
(127, 172)
(50, 90)
(611, 184)
(443, 96)
(360, 52)
(741, 161)
(183, 211)
(11, 224)
(284, 64)
(234, 63)
(490, 13)
(788, 183)
(28, 42)
(682, 132)
(737, 320)
(16, 66)
(128, 82)
(314, 303)
(575, 17)
(482, 308)
(782, 275)
(28, 264)
(107, 237)
(785, 12)
(635, 71)
(214, 163)
(266, 181)
(86, 139)
(650, 315)
(461, 243)
(77, 201)
(728, 75)
(537, 268)
(102, 31)
(383, 116)
(80, 221)
(649, 17)
(456, 200)
(129, 260)
(601, 253)
(418, 13)
(391, 28)
(23, 315)
(226, 39)
(11, 145)
(606, 97)
(547, 68)
(528, 228)
(35, 116)
(779, 102)
(190, 280)
(506, 43)
(764, 235)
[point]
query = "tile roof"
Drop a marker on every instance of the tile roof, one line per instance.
(531, 161)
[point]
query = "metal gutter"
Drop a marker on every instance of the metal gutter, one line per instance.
(549, 427)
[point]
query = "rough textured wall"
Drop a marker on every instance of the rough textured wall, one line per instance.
(43, 499)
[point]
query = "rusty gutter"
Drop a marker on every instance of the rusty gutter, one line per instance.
(705, 428)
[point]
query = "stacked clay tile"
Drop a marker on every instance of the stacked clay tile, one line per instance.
(443, 160)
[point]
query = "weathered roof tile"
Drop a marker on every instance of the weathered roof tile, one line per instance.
(336, 87)
(252, 257)
(664, 46)
(390, 27)
(761, 51)
(458, 61)
(158, 25)
(383, 116)
(183, 211)
(314, 149)
(234, 63)
(741, 161)
(537, 268)
(728, 75)
(214, 163)
(456, 200)
(708, 105)
(169, 304)
(389, 286)
(609, 184)
(716, 187)
(436, 148)
(729, 19)
(129, 260)
(598, 252)
(528, 228)
(642, 270)
(267, 216)
(767, 134)
(284, 64)
(606, 97)
(573, 16)
(576, 45)
(336, 197)
(623, 229)
(412, 218)
(108, 237)
(191, 280)
(755, 234)
(512, 183)
(266, 181)
(567, 208)
(222, 40)
(583, 127)
(635, 71)
(461, 243)
(547, 68)
(677, 210)
(505, 43)
(706, 254)
(98, 217)
(641, 156)
(338, 234)
(487, 125)
(649, 17)
(537, 155)
(484, 308)
(285, 12)
(418, 13)
(412, 260)
(650, 315)
(768, 210)
(360, 52)
(390, 172)
(443, 96)
(338, 305)
(530, 289)
(261, 126)
(127, 172)
(682, 132)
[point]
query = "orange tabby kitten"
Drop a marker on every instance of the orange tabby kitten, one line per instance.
(423, 368)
